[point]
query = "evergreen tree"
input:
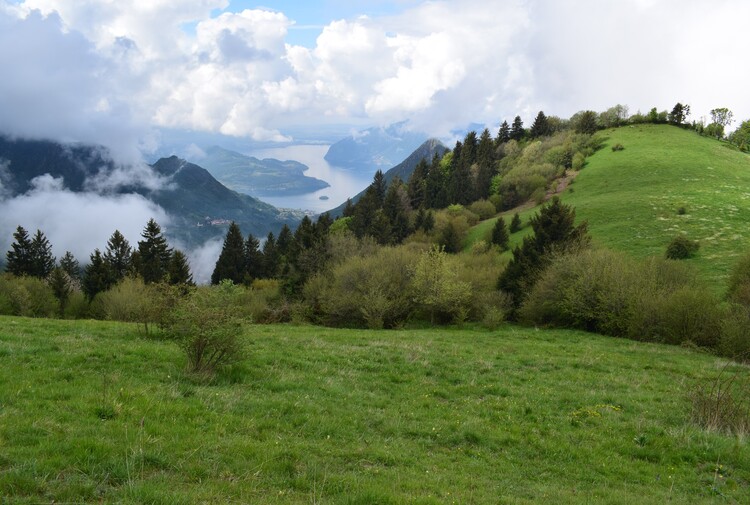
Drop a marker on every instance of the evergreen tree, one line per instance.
(500, 235)
(71, 266)
(451, 239)
(585, 122)
(20, 256)
(485, 168)
(380, 229)
(418, 184)
(153, 253)
(554, 232)
(179, 270)
(429, 222)
(61, 286)
(540, 128)
(348, 208)
(517, 131)
(231, 263)
(436, 196)
(515, 223)
(379, 187)
(459, 182)
(270, 257)
(396, 209)
(285, 243)
(469, 149)
(97, 276)
(503, 134)
(364, 213)
(253, 259)
(42, 261)
(117, 255)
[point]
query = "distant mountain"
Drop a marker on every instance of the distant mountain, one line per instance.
(199, 206)
(375, 148)
(404, 169)
(268, 177)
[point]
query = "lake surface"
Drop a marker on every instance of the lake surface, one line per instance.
(345, 183)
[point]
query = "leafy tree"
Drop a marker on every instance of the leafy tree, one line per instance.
(517, 131)
(585, 122)
(540, 127)
(179, 270)
(118, 255)
(231, 263)
(722, 116)
(20, 256)
(614, 116)
(503, 134)
(741, 136)
(500, 236)
(70, 265)
(679, 114)
(515, 223)
(97, 276)
(153, 253)
(554, 232)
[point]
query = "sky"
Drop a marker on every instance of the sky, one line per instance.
(116, 73)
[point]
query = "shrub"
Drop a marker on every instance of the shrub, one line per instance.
(734, 341)
(129, 300)
(691, 314)
(436, 287)
(27, 296)
(579, 160)
(617, 147)
(515, 223)
(681, 248)
(483, 208)
(722, 404)
(739, 282)
(206, 329)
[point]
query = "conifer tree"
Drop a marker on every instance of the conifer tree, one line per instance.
(418, 184)
(61, 286)
(153, 253)
(503, 134)
(515, 223)
(117, 255)
(459, 182)
(253, 259)
(517, 131)
(97, 276)
(348, 208)
(500, 235)
(485, 165)
(231, 263)
(179, 270)
(71, 266)
(379, 186)
(20, 256)
(396, 209)
(540, 128)
(42, 261)
(270, 257)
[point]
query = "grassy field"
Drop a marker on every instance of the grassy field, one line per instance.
(94, 412)
(633, 198)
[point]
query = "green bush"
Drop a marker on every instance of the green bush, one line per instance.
(681, 248)
(722, 404)
(617, 147)
(739, 282)
(734, 341)
(129, 301)
(483, 208)
(27, 296)
(206, 328)
(437, 289)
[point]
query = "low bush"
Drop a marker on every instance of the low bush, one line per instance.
(483, 208)
(681, 248)
(618, 147)
(437, 289)
(27, 296)
(722, 403)
(739, 282)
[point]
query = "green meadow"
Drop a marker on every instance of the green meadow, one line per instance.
(97, 412)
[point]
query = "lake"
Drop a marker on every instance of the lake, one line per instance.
(345, 183)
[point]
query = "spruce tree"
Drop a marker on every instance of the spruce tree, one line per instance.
(417, 184)
(517, 131)
(71, 266)
(179, 270)
(379, 186)
(435, 196)
(500, 235)
(231, 263)
(515, 223)
(153, 253)
(20, 256)
(486, 167)
(503, 134)
(117, 255)
(97, 276)
(540, 128)
(61, 286)
(270, 257)
(42, 261)
(253, 259)
(396, 209)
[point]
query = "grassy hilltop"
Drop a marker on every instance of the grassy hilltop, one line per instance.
(666, 181)
(91, 412)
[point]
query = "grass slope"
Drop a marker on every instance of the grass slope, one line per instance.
(91, 412)
(631, 198)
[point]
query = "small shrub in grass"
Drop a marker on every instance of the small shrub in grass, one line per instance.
(691, 314)
(734, 341)
(739, 282)
(618, 147)
(206, 329)
(515, 223)
(681, 248)
(681, 211)
(483, 208)
(722, 404)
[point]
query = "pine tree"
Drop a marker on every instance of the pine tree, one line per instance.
(517, 131)
(435, 196)
(154, 253)
(515, 223)
(379, 186)
(179, 270)
(469, 149)
(500, 235)
(348, 208)
(418, 184)
(20, 256)
(459, 182)
(485, 162)
(540, 128)
(270, 257)
(503, 134)
(71, 266)
(117, 255)
(253, 259)
(231, 263)
(97, 276)
(396, 209)
(42, 261)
